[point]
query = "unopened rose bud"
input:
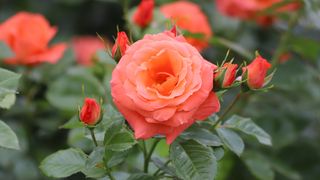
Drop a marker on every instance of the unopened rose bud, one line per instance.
(144, 13)
(90, 113)
(120, 46)
(255, 72)
(225, 75)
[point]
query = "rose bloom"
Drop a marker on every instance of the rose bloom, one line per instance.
(90, 112)
(85, 48)
(188, 16)
(256, 72)
(249, 9)
(28, 35)
(162, 85)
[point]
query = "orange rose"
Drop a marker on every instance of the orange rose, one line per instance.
(256, 72)
(28, 36)
(188, 16)
(85, 48)
(162, 85)
(250, 9)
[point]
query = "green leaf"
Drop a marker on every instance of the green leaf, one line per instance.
(120, 142)
(72, 123)
(231, 139)
(141, 176)
(113, 158)
(247, 126)
(5, 51)
(8, 85)
(8, 138)
(218, 152)
(192, 160)
(165, 168)
(202, 136)
(64, 163)
(94, 165)
(105, 58)
(258, 165)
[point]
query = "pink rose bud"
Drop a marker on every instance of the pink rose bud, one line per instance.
(90, 113)
(120, 46)
(225, 75)
(144, 13)
(256, 72)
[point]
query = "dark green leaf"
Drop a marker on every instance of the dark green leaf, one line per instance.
(218, 152)
(113, 158)
(231, 139)
(72, 123)
(165, 168)
(193, 161)
(202, 136)
(8, 85)
(94, 166)
(120, 142)
(8, 138)
(247, 126)
(64, 163)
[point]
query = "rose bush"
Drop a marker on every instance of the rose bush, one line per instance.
(162, 85)
(28, 35)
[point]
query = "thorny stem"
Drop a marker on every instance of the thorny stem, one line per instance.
(148, 155)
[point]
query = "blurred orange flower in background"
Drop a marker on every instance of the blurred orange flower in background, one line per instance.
(85, 48)
(188, 16)
(28, 35)
(250, 9)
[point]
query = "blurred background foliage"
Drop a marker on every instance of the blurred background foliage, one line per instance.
(289, 112)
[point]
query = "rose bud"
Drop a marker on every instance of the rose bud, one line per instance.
(225, 75)
(255, 72)
(144, 13)
(90, 113)
(120, 46)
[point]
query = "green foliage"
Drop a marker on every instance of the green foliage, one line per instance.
(231, 139)
(64, 163)
(247, 126)
(192, 160)
(8, 85)
(8, 138)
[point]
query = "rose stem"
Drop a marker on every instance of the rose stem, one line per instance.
(147, 158)
(228, 109)
(93, 136)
